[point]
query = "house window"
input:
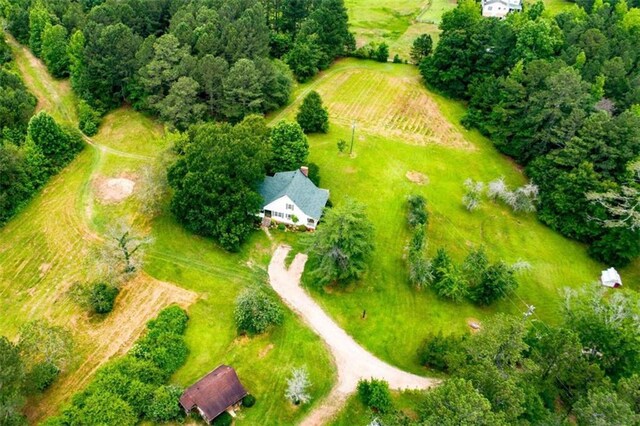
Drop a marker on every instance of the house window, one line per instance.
(289, 216)
(289, 206)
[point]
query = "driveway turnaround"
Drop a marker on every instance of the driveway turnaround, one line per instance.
(352, 360)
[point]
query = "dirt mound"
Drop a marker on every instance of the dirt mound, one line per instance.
(417, 177)
(114, 190)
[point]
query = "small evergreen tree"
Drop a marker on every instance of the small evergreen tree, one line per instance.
(382, 53)
(421, 48)
(375, 394)
(313, 116)
(342, 246)
(298, 386)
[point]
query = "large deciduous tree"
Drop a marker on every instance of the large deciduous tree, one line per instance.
(289, 147)
(215, 180)
(256, 311)
(457, 402)
(54, 50)
(11, 384)
(342, 246)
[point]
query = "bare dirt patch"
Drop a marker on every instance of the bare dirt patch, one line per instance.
(113, 190)
(265, 351)
(139, 301)
(417, 177)
(44, 268)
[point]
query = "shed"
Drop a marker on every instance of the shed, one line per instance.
(215, 393)
(611, 278)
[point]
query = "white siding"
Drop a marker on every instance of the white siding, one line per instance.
(280, 213)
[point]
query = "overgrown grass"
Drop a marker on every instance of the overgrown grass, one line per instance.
(398, 317)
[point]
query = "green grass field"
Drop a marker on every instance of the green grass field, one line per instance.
(399, 22)
(49, 246)
(395, 22)
(398, 317)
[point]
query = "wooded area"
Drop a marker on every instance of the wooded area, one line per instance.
(561, 96)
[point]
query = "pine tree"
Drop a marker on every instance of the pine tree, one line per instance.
(313, 116)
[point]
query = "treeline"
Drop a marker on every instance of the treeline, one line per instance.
(518, 370)
(30, 365)
(308, 34)
(185, 61)
(561, 96)
(133, 388)
(32, 149)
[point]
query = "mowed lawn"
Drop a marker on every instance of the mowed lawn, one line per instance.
(51, 245)
(399, 317)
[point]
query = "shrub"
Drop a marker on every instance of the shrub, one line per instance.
(396, 59)
(171, 320)
(473, 194)
(496, 282)
(255, 311)
(282, 227)
(88, 119)
(249, 401)
(42, 375)
(448, 282)
(420, 271)
(164, 405)
(166, 350)
(417, 210)
(298, 386)
(223, 419)
(102, 297)
(437, 351)
(342, 145)
(375, 394)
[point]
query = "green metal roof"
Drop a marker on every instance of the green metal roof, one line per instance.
(299, 188)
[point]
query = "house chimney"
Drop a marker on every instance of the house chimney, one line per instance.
(305, 170)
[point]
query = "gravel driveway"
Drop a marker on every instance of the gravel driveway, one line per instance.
(352, 360)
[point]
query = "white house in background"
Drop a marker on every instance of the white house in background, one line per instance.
(291, 198)
(611, 278)
(500, 8)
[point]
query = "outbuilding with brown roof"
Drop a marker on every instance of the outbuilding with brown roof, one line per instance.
(214, 394)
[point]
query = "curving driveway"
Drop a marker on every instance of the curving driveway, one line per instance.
(352, 360)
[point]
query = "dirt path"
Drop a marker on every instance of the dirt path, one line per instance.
(352, 360)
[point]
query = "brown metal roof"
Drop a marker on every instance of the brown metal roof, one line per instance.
(214, 393)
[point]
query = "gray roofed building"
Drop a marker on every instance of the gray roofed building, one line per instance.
(289, 195)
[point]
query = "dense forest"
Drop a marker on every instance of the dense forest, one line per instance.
(519, 370)
(185, 61)
(32, 148)
(561, 95)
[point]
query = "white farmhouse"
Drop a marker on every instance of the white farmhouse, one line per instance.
(291, 198)
(500, 8)
(610, 278)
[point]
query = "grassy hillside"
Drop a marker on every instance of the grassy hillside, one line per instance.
(398, 317)
(51, 245)
(399, 22)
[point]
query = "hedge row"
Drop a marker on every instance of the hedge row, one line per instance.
(133, 388)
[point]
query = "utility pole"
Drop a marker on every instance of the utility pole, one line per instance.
(353, 134)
